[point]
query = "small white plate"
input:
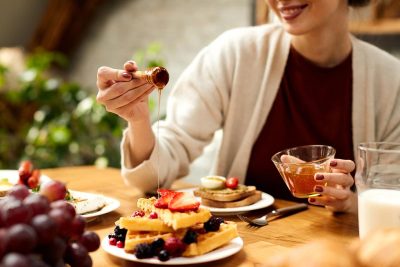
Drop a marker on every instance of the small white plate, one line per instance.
(265, 201)
(229, 249)
(111, 204)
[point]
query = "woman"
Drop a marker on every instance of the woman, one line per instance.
(270, 87)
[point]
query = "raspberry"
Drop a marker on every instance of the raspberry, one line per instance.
(174, 246)
(138, 213)
(163, 255)
(112, 241)
(143, 251)
(153, 215)
(120, 244)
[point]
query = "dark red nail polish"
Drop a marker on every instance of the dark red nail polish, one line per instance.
(312, 200)
(131, 62)
(126, 75)
(319, 177)
(333, 163)
(318, 188)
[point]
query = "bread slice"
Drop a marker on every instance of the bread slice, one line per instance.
(226, 194)
(233, 204)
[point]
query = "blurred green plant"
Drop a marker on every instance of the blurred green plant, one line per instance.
(54, 122)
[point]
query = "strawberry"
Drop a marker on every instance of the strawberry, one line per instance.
(183, 201)
(166, 196)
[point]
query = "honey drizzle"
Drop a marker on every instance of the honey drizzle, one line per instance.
(158, 140)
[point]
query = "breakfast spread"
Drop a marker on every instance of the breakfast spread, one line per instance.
(218, 192)
(171, 226)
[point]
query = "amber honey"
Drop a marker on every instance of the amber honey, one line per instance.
(300, 178)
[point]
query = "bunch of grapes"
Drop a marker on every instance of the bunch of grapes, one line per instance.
(43, 230)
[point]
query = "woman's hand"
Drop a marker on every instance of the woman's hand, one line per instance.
(336, 194)
(123, 94)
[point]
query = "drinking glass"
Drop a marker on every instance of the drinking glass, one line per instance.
(378, 186)
(298, 165)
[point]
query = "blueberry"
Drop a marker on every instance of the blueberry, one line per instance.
(190, 237)
(163, 255)
(157, 245)
(143, 251)
(212, 225)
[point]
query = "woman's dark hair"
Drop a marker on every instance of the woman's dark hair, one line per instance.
(356, 3)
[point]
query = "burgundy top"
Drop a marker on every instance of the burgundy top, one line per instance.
(313, 106)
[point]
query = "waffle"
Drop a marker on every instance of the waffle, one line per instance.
(134, 238)
(212, 240)
(176, 220)
(144, 224)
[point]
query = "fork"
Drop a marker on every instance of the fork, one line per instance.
(263, 220)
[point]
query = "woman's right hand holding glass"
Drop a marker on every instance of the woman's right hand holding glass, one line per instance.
(123, 94)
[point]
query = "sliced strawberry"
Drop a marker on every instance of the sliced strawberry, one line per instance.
(163, 191)
(166, 197)
(183, 201)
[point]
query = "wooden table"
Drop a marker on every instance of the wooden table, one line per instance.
(259, 243)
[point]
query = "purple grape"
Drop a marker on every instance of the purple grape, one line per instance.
(64, 206)
(38, 204)
(15, 260)
(77, 227)
(53, 190)
(53, 252)
(90, 240)
(45, 227)
(63, 221)
(19, 191)
(21, 238)
(76, 253)
(14, 212)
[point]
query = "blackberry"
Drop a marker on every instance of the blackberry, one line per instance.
(212, 225)
(163, 255)
(120, 233)
(143, 251)
(157, 245)
(190, 237)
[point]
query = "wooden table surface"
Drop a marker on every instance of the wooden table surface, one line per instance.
(259, 243)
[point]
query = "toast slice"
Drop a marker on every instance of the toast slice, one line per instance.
(233, 204)
(225, 194)
(176, 220)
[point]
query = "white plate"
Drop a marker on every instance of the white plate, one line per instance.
(265, 201)
(231, 248)
(111, 204)
(13, 176)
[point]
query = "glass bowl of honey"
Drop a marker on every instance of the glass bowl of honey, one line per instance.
(298, 166)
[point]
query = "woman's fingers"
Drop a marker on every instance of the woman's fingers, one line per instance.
(340, 165)
(107, 76)
(336, 205)
(332, 179)
(130, 66)
(129, 98)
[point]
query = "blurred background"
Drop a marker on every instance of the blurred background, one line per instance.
(50, 51)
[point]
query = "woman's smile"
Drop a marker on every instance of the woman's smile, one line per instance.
(291, 11)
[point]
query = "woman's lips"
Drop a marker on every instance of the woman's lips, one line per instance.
(291, 12)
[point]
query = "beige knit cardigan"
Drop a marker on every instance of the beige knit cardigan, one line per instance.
(231, 85)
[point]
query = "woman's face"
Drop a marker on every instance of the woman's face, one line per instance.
(304, 16)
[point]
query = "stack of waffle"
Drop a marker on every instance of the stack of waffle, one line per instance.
(174, 224)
